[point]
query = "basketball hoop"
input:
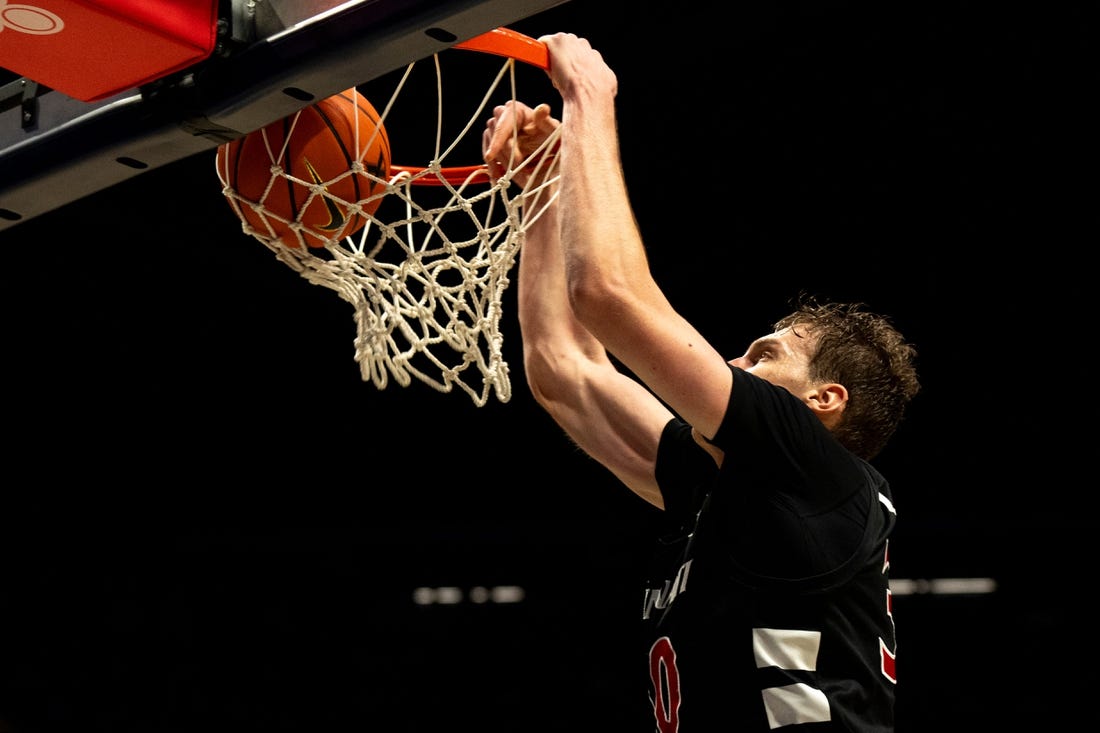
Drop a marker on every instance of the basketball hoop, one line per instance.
(427, 272)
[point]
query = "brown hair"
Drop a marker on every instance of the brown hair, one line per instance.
(864, 352)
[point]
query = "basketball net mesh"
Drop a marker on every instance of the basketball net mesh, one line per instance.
(427, 273)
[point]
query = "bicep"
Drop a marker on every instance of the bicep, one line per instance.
(674, 361)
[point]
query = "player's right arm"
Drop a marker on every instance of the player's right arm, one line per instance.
(610, 287)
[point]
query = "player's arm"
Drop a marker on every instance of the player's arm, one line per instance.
(612, 292)
(610, 416)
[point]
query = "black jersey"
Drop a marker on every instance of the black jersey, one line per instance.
(769, 604)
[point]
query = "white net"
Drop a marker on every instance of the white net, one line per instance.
(427, 273)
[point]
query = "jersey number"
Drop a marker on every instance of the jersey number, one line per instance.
(665, 678)
(887, 654)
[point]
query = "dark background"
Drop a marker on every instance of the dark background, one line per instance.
(209, 520)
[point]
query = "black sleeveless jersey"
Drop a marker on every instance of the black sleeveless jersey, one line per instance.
(769, 606)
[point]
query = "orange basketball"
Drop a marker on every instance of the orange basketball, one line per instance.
(314, 149)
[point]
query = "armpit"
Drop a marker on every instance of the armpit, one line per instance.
(715, 452)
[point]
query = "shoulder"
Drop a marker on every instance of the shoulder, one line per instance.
(684, 470)
(760, 411)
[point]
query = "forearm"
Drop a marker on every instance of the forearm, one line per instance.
(609, 281)
(549, 329)
(599, 231)
(605, 413)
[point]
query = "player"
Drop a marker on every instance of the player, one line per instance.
(769, 604)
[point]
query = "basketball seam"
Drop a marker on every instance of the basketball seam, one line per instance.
(369, 112)
(288, 166)
(348, 159)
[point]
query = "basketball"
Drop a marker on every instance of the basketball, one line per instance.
(298, 170)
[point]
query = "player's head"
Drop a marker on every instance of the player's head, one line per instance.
(864, 352)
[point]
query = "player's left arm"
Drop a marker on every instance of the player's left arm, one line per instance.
(606, 413)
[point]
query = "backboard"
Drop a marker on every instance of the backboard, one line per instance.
(268, 59)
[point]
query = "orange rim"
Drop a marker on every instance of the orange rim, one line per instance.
(506, 42)
(456, 175)
(499, 42)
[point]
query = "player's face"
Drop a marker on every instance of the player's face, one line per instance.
(782, 358)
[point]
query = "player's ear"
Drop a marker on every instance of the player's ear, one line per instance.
(828, 401)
